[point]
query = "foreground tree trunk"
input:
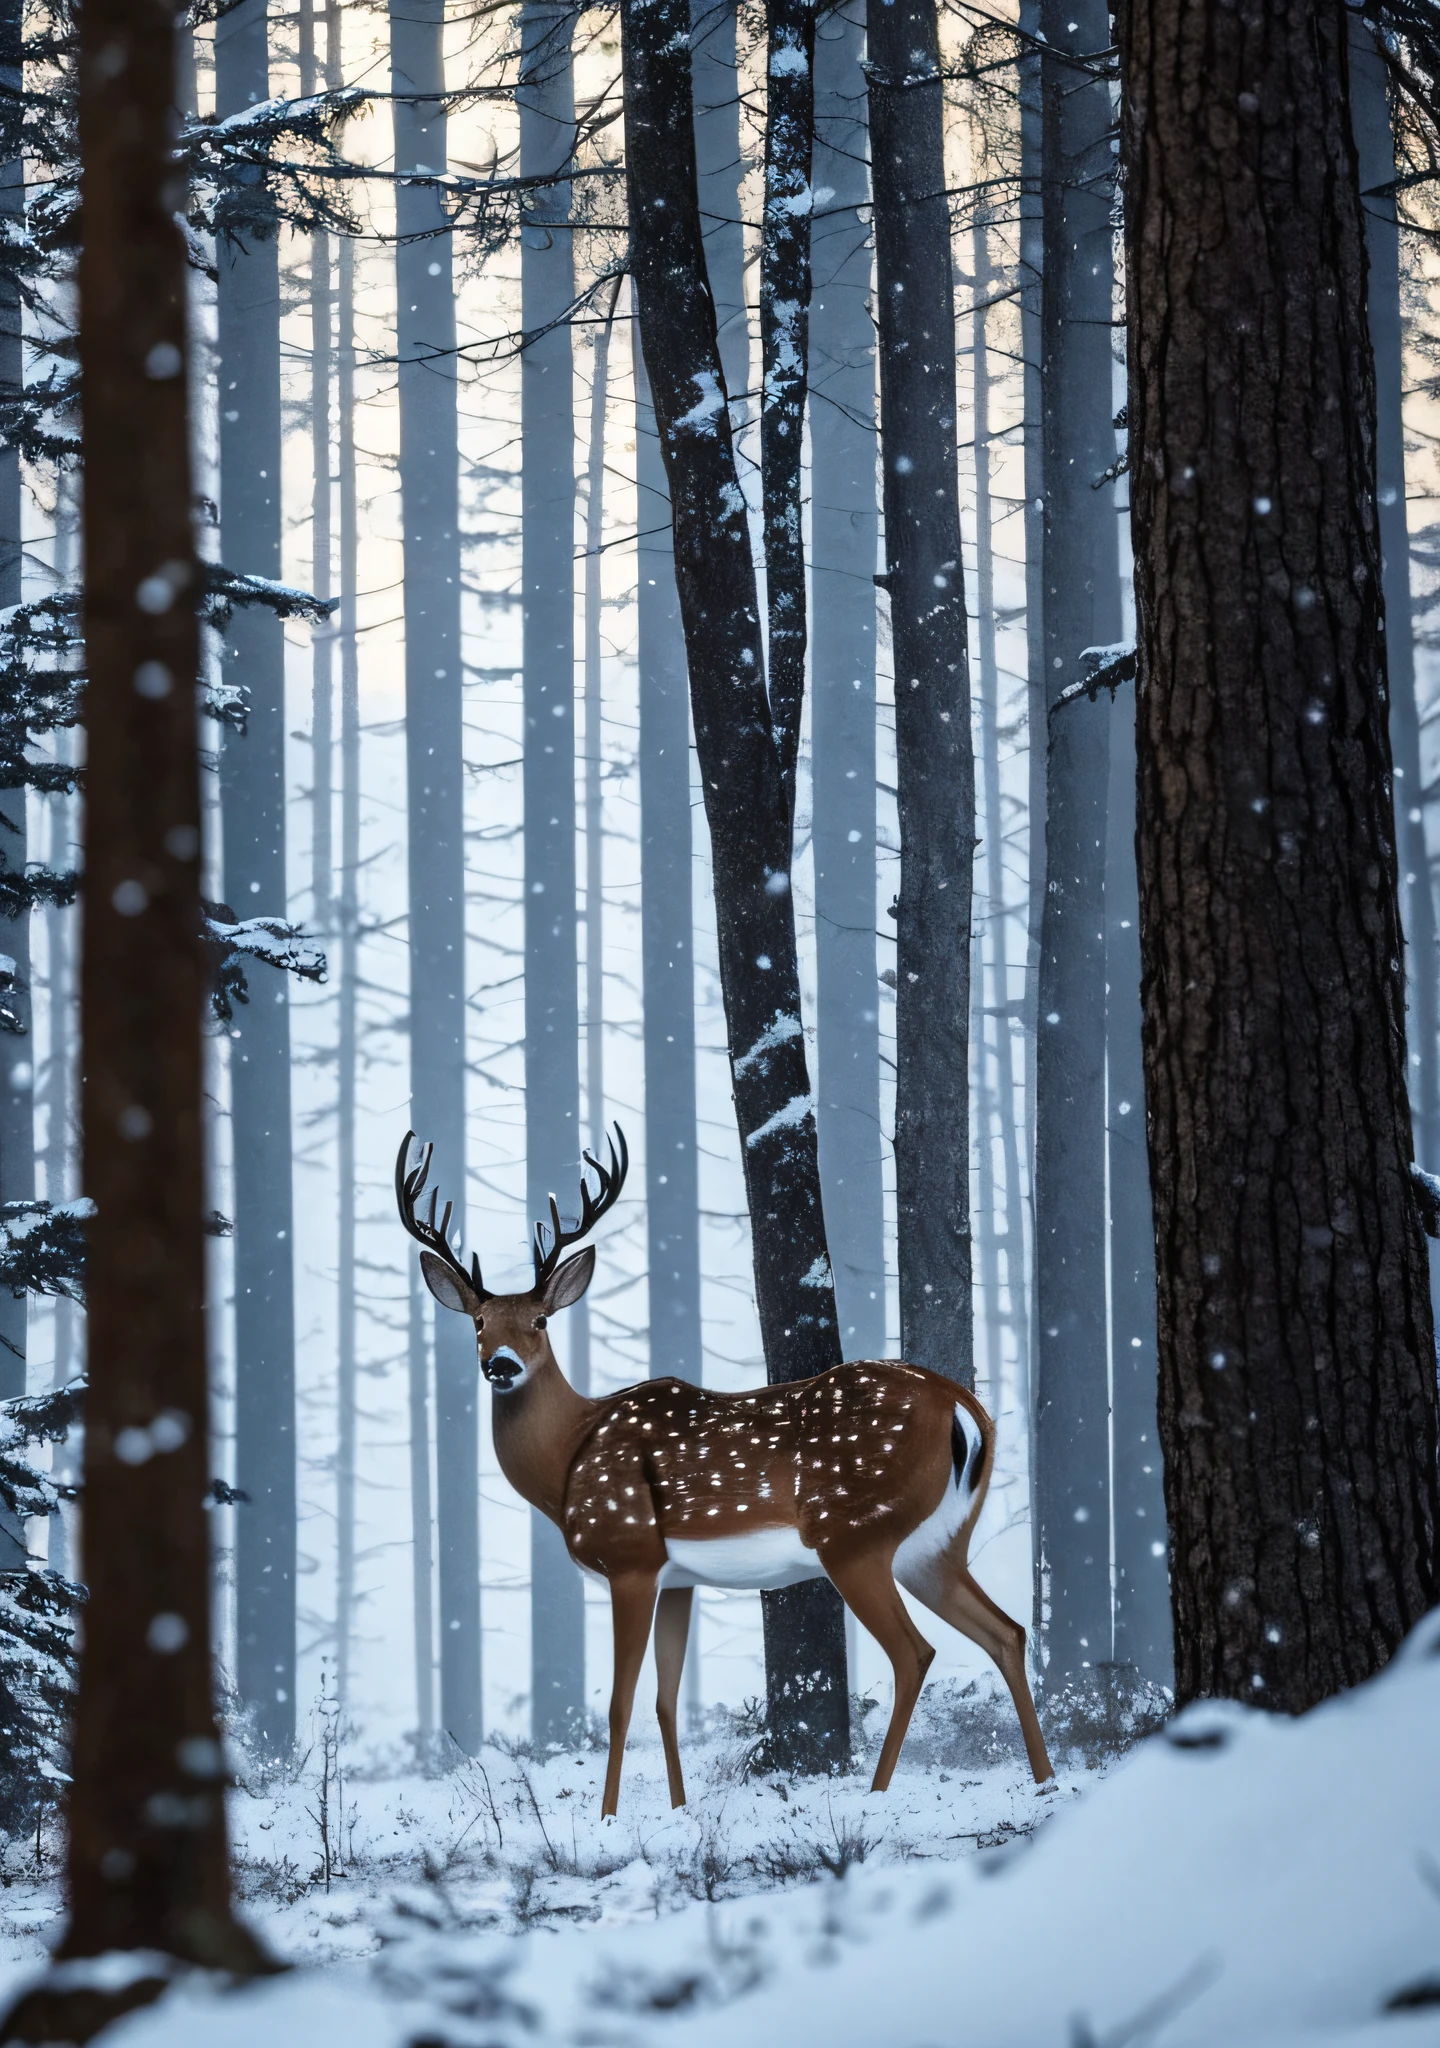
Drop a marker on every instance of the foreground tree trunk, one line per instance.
(748, 816)
(934, 763)
(1297, 1363)
(147, 1864)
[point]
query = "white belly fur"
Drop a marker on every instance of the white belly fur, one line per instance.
(759, 1562)
(924, 1547)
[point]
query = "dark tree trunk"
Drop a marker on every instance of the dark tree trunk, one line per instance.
(1297, 1363)
(17, 1050)
(784, 356)
(322, 637)
(748, 816)
(1375, 148)
(667, 931)
(1080, 608)
(1141, 1601)
(934, 764)
(434, 754)
(553, 1136)
(147, 1865)
(253, 812)
(844, 535)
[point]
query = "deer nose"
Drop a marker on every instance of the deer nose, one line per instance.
(502, 1367)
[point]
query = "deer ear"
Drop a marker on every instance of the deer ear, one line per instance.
(568, 1282)
(447, 1287)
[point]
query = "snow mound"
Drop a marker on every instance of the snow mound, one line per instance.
(1238, 1880)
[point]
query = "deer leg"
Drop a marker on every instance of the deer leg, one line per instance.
(672, 1631)
(867, 1586)
(632, 1603)
(969, 1608)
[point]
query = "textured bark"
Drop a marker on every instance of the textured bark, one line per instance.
(252, 772)
(748, 815)
(553, 1134)
(434, 752)
(146, 1850)
(934, 765)
(844, 535)
(1297, 1364)
(1080, 607)
(784, 356)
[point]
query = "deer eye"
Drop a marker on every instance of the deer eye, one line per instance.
(539, 1322)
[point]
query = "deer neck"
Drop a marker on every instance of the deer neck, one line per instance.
(537, 1431)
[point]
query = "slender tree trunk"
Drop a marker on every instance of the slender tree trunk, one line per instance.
(1141, 1598)
(253, 798)
(1297, 1361)
(844, 537)
(17, 1050)
(147, 1864)
(748, 817)
(546, 99)
(785, 357)
(719, 168)
(322, 639)
(595, 760)
(1375, 148)
(935, 767)
(434, 752)
(1080, 608)
(667, 950)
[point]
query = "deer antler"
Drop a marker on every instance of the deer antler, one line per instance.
(592, 1208)
(409, 1186)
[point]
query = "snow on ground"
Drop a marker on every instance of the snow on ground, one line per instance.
(1239, 1880)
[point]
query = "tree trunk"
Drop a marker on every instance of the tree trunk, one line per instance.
(595, 764)
(348, 920)
(998, 910)
(147, 1864)
(253, 813)
(17, 1050)
(844, 535)
(1080, 608)
(784, 357)
(434, 754)
(1297, 1362)
(553, 1138)
(748, 817)
(1141, 1599)
(935, 767)
(322, 635)
(667, 934)
(1375, 148)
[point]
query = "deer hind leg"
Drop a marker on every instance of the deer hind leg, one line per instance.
(956, 1598)
(632, 1604)
(867, 1586)
(672, 1632)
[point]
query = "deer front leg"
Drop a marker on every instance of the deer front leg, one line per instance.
(672, 1632)
(632, 1604)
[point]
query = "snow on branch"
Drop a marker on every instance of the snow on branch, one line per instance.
(42, 1247)
(1101, 668)
(231, 941)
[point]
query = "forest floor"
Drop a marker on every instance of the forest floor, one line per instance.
(1237, 1879)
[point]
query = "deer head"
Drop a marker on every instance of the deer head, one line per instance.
(510, 1328)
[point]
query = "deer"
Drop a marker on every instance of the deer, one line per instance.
(871, 1475)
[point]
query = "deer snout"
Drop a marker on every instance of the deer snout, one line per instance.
(503, 1368)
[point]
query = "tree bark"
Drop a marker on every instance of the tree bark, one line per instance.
(747, 812)
(146, 1859)
(434, 754)
(784, 357)
(553, 1135)
(934, 765)
(844, 537)
(1297, 1361)
(253, 813)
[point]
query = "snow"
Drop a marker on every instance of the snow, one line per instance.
(783, 1027)
(1241, 1879)
(795, 1112)
(709, 401)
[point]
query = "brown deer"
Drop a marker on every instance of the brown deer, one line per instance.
(866, 1474)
